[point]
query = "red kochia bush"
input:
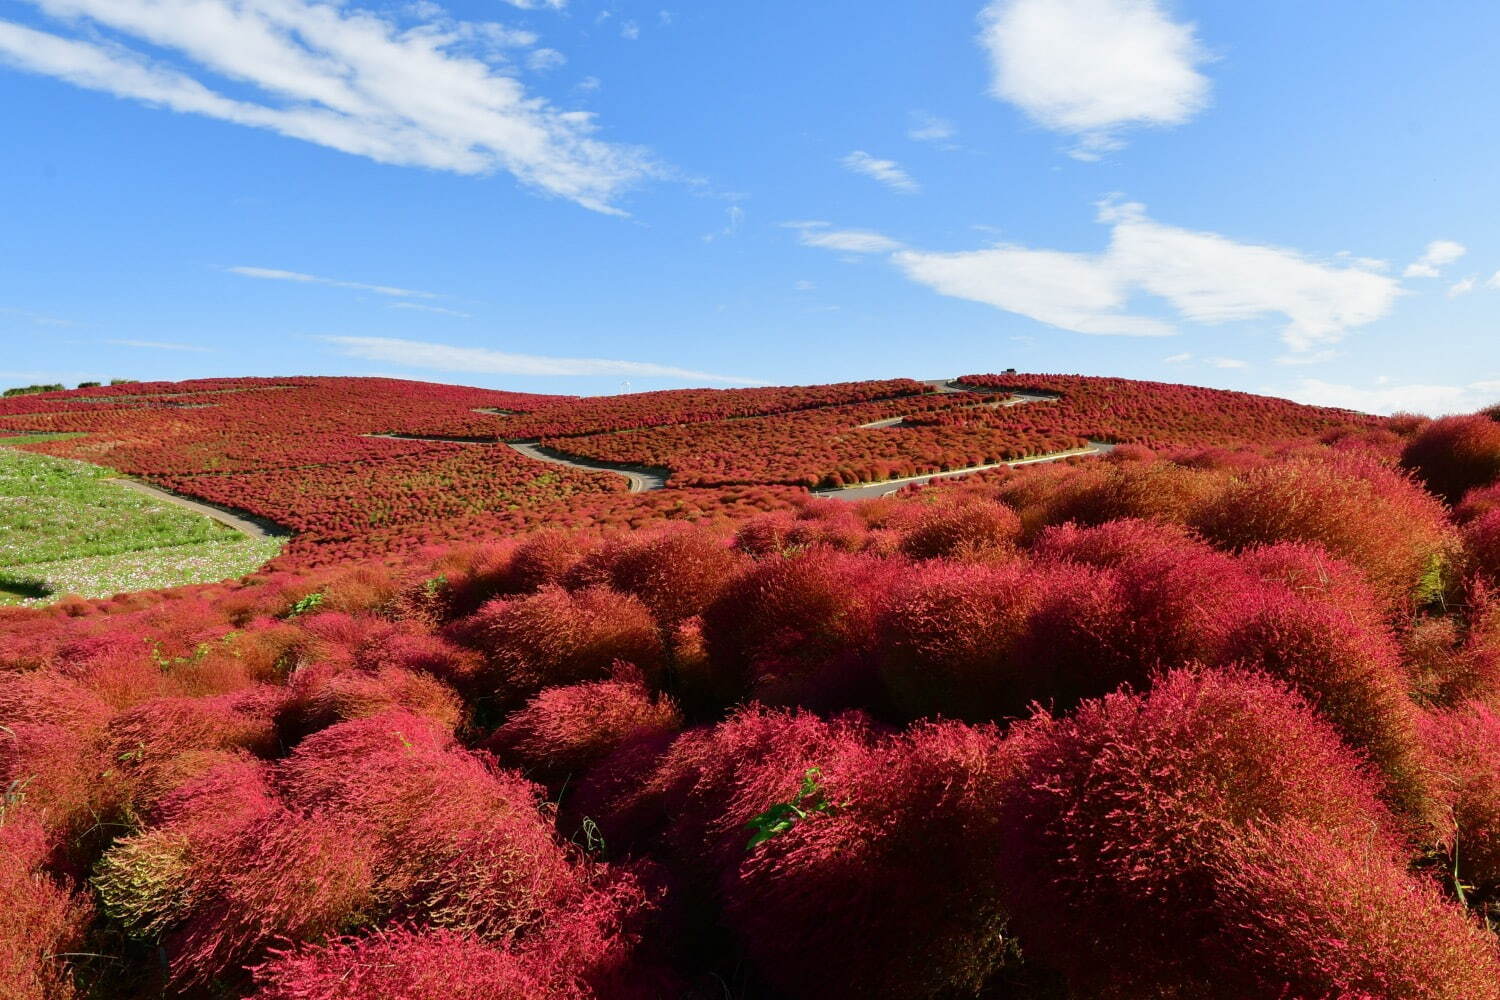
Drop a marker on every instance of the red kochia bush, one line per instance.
(1455, 454)
(1350, 671)
(409, 964)
(282, 877)
(1482, 545)
(323, 694)
(797, 629)
(948, 640)
(1310, 918)
(1466, 742)
(455, 842)
(1362, 512)
(967, 529)
(40, 920)
(557, 637)
(675, 573)
(565, 730)
(892, 890)
(1120, 813)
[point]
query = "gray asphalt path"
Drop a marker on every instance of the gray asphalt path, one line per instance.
(642, 478)
(239, 520)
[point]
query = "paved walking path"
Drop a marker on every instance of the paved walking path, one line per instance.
(641, 477)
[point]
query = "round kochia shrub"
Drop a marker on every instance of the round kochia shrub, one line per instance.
(1119, 815)
(892, 889)
(674, 573)
(556, 637)
(1466, 742)
(1455, 454)
(1350, 671)
(973, 529)
(797, 630)
(1360, 511)
(41, 921)
(567, 729)
(948, 640)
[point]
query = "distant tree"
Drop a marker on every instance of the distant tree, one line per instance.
(122, 381)
(24, 390)
(88, 385)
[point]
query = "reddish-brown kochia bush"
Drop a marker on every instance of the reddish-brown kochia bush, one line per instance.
(565, 730)
(42, 922)
(891, 891)
(1466, 743)
(675, 573)
(1350, 671)
(1481, 537)
(1455, 454)
(948, 640)
(1360, 511)
(559, 637)
(1119, 814)
(968, 529)
(796, 630)
(322, 694)
(284, 876)
(406, 963)
(455, 841)
(1312, 918)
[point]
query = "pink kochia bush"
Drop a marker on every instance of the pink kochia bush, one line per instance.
(40, 920)
(557, 637)
(567, 729)
(1455, 454)
(1135, 855)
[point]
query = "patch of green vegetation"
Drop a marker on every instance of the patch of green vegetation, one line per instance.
(150, 569)
(38, 438)
(53, 509)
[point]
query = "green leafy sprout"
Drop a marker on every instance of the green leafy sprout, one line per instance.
(782, 816)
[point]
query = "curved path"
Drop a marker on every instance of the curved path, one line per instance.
(867, 491)
(641, 477)
(239, 520)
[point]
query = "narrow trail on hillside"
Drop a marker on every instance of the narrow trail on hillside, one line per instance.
(867, 491)
(242, 521)
(642, 478)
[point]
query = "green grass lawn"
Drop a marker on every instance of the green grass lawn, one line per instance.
(66, 528)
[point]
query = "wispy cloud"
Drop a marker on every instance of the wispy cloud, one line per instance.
(38, 319)
(1438, 255)
(819, 234)
(438, 95)
(538, 4)
(274, 274)
(431, 309)
(159, 345)
(448, 357)
(1205, 277)
(1093, 68)
(887, 172)
(929, 128)
(1388, 396)
(1463, 287)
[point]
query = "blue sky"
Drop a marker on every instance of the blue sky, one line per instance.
(569, 196)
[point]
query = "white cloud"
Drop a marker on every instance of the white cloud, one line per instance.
(817, 234)
(927, 128)
(1092, 68)
(887, 172)
(1439, 254)
(1205, 277)
(273, 274)
(804, 286)
(38, 318)
(437, 95)
(1226, 363)
(630, 31)
(447, 357)
(158, 345)
(1069, 290)
(538, 4)
(545, 59)
(1389, 397)
(1209, 278)
(1177, 359)
(431, 309)
(1463, 287)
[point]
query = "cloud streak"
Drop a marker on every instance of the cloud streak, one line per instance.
(159, 345)
(1438, 255)
(447, 357)
(1205, 277)
(436, 95)
(275, 274)
(887, 172)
